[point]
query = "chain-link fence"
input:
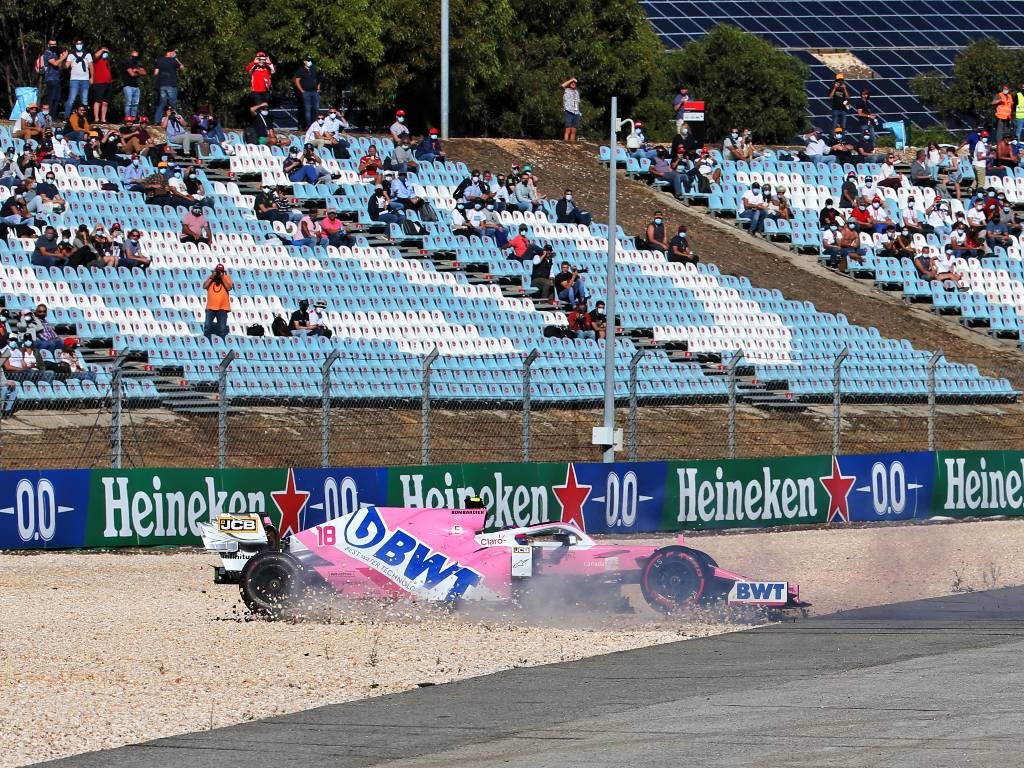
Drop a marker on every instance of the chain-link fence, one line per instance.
(336, 408)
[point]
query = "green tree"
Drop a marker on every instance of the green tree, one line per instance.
(745, 81)
(979, 70)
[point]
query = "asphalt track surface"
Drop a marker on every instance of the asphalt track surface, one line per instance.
(930, 683)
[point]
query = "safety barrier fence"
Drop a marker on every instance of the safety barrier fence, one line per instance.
(73, 508)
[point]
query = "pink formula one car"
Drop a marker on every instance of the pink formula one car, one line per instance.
(443, 555)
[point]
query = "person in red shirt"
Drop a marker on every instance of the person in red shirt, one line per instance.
(520, 247)
(862, 215)
(102, 79)
(261, 71)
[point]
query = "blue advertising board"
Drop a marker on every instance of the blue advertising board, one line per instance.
(625, 497)
(43, 509)
(889, 486)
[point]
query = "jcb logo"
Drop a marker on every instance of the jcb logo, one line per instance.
(237, 524)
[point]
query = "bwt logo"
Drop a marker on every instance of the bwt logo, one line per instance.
(759, 593)
(402, 557)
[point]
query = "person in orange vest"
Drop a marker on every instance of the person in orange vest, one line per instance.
(1003, 102)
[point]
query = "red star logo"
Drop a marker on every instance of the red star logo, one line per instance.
(290, 502)
(838, 486)
(572, 497)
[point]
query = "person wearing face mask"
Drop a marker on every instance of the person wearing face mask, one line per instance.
(195, 228)
(102, 81)
(817, 150)
(527, 198)
(830, 245)
(938, 220)
(976, 216)
(754, 208)
(880, 216)
(403, 158)
(307, 80)
(490, 225)
(133, 174)
(682, 96)
(860, 216)
(567, 212)
(381, 208)
(47, 199)
(656, 234)
(131, 72)
(178, 134)
(402, 192)
(317, 134)
(24, 364)
(571, 107)
(166, 70)
(849, 247)
(430, 149)
(399, 130)
(1003, 102)
(980, 158)
(684, 140)
(679, 249)
(45, 335)
(661, 169)
(132, 256)
(460, 222)
(333, 228)
(733, 147)
(79, 65)
(471, 190)
(261, 74)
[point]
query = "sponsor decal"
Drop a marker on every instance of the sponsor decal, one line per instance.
(290, 503)
(773, 593)
(838, 486)
(227, 524)
(572, 495)
(761, 498)
(398, 554)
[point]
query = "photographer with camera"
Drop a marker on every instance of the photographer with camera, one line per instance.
(569, 285)
(540, 276)
(178, 134)
(261, 71)
(218, 302)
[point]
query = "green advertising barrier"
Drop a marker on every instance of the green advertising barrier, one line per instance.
(978, 483)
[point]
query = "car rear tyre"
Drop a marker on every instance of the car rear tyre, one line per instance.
(269, 582)
(673, 579)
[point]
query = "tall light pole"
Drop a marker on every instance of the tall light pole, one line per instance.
(444, 69)
(609, 337)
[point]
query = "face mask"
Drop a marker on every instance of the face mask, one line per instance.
(876, 205)
(433, 137)
(755, 189)
(734, 135)
(568, 197)
(490, 207)
(910, 202)
(51, 179)
(476, 207)
(308, 62)
(401, 119)
(476, 179)
(106, 56)
(79, 46)
(862, 207)
(135, 163)
(868, 183)
(686, 131)
(978, 207)
(263, 113)
(906, 231)
(657, 221)
(834, 228)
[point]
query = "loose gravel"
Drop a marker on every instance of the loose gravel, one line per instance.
(99, 650)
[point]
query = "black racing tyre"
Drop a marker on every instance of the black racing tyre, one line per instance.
(269, 582)
(673, 579)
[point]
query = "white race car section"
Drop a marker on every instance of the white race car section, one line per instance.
(236, 538)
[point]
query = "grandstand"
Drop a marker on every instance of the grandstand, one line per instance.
(393, 299)
(893, 41)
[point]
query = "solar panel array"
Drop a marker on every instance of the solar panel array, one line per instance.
(895, 38)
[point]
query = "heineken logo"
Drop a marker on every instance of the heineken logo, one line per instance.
(508, 504)
(756, 499)
(980, 489)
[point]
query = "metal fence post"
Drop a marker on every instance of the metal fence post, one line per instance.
(527, 362)
(933, 363)
(837, 375)
(634, 364)
(325, 402)
(428, 361)
(116, 403)
(731, 372)
(222, 407)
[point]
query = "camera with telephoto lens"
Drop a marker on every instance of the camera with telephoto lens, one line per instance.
(581, 270)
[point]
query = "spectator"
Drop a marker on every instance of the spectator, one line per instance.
(869, 121)
(22, 363)
(938, 220)
(261, 74)
(298, 171)
(661, 169)
(709, 174)
(566, 211)
(10, 173)
(887, 245)
(311, 159)
(298, 323)
(166, 70)
(655, 234)
(68, 357)
(45, 335)
(754, 208)
(131, 252)
(520, 247)
(505, 197)
(206, 125)
(1003, 102)
(1005, 156)
(53, 62)
(880, 217)
(679, 106)
(829, 215)
(265, 208)
(735, 148)
(133, 174)
(261, 128)
(47, 199)
(997, 234)
(318, 135)
(599, 320)
(45, 253)
(580, 323)
(818, 150)
(860, 216)
(920, 176)
(136, 138)
(868, 189)
(839, 95)
(979, 158)
(369, 164)
(461, 225)
(399, 130)
(381, 208)
(540, 275)
(79, 66)
(849, 248)
(15, 212)
(943, 264)
(26, 127)
(866, 149)
(960, 242)
(308, 235)
(307, 80)
(131, 73)
(954, 170)
(218, 302)
(679, 248)
(492, 227)
(472, 190)
(333, 229)
(403, 158)
(178, 134)
(430, 149)
(843, 148)
(195, 228)
(830, 245)
(686, 141)
(527, 198)
(571, 106)
(1009, 218)
(403, 193)
(569, 286)
(28, 162)
(317, 315)
(102, 82)
(636, 143)
(780, 203)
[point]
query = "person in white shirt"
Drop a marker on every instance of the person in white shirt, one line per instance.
(976, 215)
(79, 66)
(318, 133)
(938, 219)
(880, 218)
(909, 220)
(818, 151)
(398, 129)
(868, 188)
(979, 159)
(943, 264)
(26, 126)
(754, 208)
